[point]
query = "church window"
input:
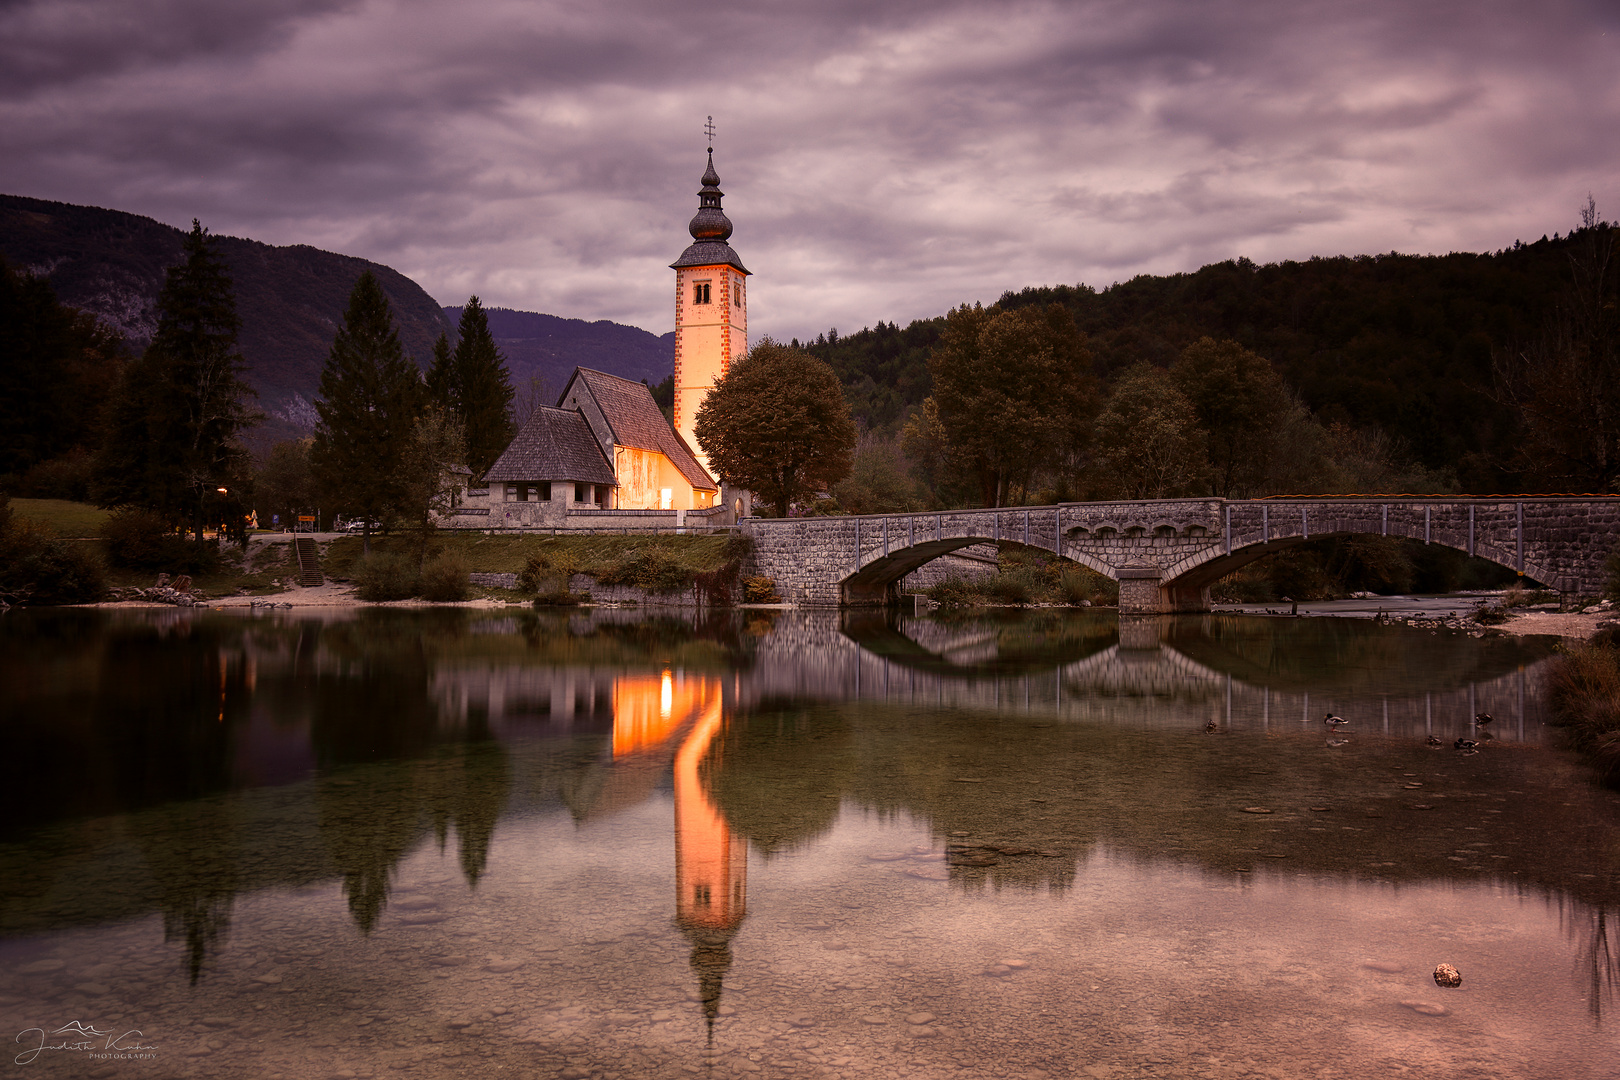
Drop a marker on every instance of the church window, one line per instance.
(700, 292)
(666, 499)
(582, 493)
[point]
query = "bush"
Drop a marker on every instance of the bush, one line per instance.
(66, 477)
(650, 570)
(142, 540)
(1017, 587)
(955, 592)
(1074, 588)
(37, 568)
(1583, 687)
(384, 575)
(444, 578)
(760, 590)
(540, 576)
(532, 578)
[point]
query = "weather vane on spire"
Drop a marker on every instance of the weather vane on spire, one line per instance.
(708, 129)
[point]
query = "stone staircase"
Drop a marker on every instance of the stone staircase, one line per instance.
(309, 561)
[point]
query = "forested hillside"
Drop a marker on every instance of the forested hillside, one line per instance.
(1401, 344)
(290, 299)
(543, 350)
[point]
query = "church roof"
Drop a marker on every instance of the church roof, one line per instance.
(709, 253)
(555, 444)
(634, 420)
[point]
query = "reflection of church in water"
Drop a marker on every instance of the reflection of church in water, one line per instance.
(683, 713)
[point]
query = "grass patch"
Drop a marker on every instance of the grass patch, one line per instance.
(597, 556)
(70, 520)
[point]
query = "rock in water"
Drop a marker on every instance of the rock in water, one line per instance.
(1447, 976)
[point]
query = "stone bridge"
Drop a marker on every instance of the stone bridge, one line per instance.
(1166, 554)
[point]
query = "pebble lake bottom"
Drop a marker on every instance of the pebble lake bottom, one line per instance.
(447, 845)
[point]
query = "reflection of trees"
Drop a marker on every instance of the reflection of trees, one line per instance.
(195, 873)
(1594, 926)
(375, 711)
(1338, 655)
(777, 774)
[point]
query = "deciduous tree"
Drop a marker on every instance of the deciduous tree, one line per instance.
(777, 424)
(370, 399)
(1240, 401)
(1565, 386)
(1148, 439)
(1014, 393)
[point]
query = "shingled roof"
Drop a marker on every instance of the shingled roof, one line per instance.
(634, 420)
(556, 444)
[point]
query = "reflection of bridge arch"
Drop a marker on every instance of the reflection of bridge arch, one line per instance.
(1166, 553)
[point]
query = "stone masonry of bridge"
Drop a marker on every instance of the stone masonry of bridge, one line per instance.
(1166, 554)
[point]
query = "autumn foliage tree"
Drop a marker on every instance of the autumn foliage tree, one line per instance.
(777, 424)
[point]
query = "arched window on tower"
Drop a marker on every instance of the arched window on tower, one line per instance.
(700, 292)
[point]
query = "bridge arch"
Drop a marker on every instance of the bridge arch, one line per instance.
(1166, 553)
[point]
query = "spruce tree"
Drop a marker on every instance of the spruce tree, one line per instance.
(480, 392)
(441, 376)
(370, 398)
(176, 423)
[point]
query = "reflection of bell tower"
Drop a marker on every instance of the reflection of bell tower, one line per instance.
(711, 864)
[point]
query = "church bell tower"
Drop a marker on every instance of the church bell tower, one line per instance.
(711, 308)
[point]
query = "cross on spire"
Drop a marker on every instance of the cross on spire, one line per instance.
(708, 129)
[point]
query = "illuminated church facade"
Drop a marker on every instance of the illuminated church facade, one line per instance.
(605, 450)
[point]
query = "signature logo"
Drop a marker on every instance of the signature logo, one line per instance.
(79, 1037)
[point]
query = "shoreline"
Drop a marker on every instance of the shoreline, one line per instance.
(1569, 625)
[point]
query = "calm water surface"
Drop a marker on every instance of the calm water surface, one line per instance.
(450, 843)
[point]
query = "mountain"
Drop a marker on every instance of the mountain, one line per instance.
(548, 348)
(290, 299)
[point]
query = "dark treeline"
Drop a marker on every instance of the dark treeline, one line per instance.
(1417, 349)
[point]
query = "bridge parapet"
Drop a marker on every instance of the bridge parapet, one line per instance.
(1166, 553)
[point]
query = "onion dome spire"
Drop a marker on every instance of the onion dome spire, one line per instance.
(711, 222)
(711, 228)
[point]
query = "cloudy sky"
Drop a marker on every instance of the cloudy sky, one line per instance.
(882, 160)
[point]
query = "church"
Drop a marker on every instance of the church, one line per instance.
(605, 451)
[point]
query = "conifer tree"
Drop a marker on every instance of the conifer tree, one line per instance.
(478, 391)
(441, 376)
(181, 407)
(370, 398)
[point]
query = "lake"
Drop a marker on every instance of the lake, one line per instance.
(614, 844)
